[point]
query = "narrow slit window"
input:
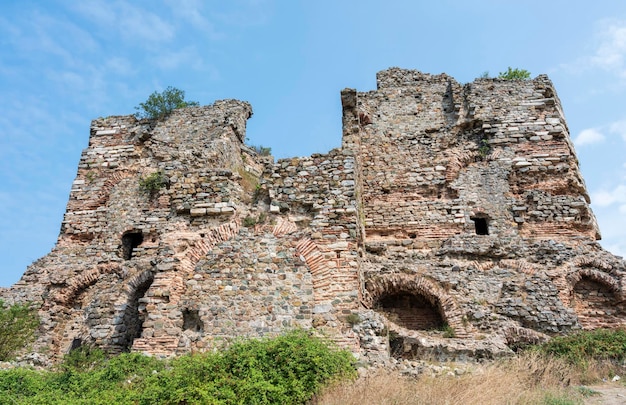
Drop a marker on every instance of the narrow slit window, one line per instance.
(482, 226)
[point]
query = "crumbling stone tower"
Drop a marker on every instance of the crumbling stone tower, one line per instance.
(453, 221)
(474, 212)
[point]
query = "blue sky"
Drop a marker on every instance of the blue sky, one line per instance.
(65, 62)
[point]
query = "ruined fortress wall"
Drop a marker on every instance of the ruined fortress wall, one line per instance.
(474, 210)
(449, 207)
(435, 155)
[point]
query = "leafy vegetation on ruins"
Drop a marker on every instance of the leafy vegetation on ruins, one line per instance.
(298, 368)
(160, 105)
(152, 182)
(262, 150)
(288, 369)
(584, 347)
(18, 324)
(514, 74)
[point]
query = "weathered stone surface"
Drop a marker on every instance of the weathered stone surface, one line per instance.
(452, 223)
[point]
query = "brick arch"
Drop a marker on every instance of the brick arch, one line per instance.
(597, 276)
(596, 298)
(129, 316)
(174, 282)
(586, 261)
(380, 287)
(76, 286)
(213, 236)
(105, 191)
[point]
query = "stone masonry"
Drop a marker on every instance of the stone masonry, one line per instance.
(452, 223)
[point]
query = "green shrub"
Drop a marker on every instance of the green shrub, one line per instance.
(262, 150)
(448, 332)
(514, 74)
(484, 148)
(153, 182)
(160, 105)
(82, 359)
(582, 347)
(18, 324)
(353, 319)
(288, 369)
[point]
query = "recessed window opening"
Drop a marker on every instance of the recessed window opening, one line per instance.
(192, 321)
(130, 241)
(481, 224)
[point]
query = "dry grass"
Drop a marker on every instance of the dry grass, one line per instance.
(530, 378)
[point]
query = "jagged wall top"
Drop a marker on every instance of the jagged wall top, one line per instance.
(397, 77)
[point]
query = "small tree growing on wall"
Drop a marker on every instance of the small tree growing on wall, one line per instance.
(514, 74)
(159, 105)
(152, 182)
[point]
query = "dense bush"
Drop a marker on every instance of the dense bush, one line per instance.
(285, 370)
(159, 105)
(18, 324)
(582, 347)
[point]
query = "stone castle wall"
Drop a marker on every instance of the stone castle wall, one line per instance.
(453, 222)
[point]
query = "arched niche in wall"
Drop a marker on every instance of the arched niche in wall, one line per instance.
(413, 302)
(131, 319)
(596, 300)
(411, 310)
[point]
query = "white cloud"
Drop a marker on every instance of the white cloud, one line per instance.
(168, 60)
(592, 136)
(588, 136)
(604, 198)
(131, 22)
(121, 66)
(619, 128)
(612, 48)
(191, 11)
(609, 50)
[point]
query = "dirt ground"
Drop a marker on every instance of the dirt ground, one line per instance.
(610, 393)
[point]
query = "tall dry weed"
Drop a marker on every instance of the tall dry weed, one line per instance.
(530, 378)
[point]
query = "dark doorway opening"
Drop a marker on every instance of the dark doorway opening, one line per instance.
(134, 315)
(130, 241)
(481, 225)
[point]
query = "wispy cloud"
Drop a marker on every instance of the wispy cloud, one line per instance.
(169, 60)
(612, 48)
(600, 134)
(619, 128)
(193, 12)
(588, 136)
(604, 197)
(127, 20)
(608, 50)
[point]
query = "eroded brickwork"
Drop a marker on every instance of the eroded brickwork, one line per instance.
(453, 222)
